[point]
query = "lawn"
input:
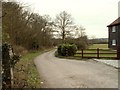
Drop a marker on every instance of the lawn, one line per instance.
(101, 46)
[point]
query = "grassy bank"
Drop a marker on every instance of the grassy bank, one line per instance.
(25, 72)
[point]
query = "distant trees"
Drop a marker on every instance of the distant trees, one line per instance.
(77, 36)
(81, 37)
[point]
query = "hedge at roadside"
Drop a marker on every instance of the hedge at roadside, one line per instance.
(67, 49)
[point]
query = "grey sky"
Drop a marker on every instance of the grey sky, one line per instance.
(94, 15)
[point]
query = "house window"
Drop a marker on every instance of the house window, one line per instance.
(113, 29)
(114, 42)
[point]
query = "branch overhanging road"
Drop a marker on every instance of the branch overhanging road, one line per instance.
(64, 73)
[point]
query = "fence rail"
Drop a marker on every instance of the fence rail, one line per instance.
(98, 53)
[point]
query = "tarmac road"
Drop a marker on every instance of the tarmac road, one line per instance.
(64, 73)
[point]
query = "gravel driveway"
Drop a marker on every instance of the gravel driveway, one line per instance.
(64, 73)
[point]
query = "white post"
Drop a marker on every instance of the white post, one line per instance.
(11, 71)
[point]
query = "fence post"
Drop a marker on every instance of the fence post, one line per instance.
(98, 53)
(82, 52)
(118, 52)
(6, 75)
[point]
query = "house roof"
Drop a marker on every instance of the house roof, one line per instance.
(116, 22)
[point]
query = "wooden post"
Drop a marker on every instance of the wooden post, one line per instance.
(98, 53)
(118, 52)
(82, 52)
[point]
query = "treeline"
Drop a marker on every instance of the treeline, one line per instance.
(81, 42)
(23, 28)
(98, 41)
(28, 30)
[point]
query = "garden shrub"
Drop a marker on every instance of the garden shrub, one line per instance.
(67, 49)
(59, 50)
(81, 45)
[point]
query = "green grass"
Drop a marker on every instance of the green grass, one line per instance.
(25, 72)
(101, 46)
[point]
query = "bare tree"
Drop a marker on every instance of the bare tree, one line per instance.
(63, 22)
(79, 31)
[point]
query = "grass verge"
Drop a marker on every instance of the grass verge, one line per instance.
(25, 73)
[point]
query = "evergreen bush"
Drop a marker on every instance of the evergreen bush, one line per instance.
(67, 49)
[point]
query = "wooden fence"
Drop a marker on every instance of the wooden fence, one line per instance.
(97, 53)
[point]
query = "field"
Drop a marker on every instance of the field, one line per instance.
(101, 46)
(92, 52)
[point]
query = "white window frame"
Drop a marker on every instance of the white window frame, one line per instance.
(113, 42)
(113, 29)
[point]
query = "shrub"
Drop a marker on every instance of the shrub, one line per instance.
(67, 49)
(19, 50)
(59, 50)
(81, 45)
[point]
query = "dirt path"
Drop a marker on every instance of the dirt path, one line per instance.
(63, 73)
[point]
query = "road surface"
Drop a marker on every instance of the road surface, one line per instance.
(64, 73)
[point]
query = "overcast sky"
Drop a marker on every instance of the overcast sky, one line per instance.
(94, 15)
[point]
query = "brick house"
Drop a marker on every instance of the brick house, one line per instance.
(114, 34)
